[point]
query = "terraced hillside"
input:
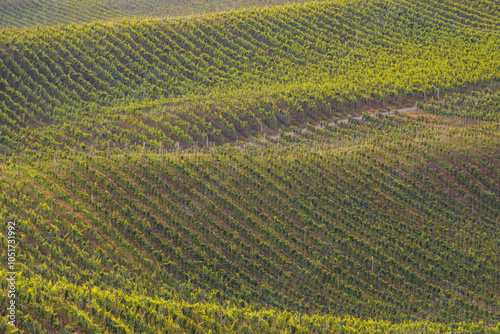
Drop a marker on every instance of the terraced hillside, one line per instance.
(388, 217)
(228, 77)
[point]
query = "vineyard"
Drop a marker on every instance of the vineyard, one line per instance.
(249, 171)
(31, 13)
(163, 84)
(294, 235)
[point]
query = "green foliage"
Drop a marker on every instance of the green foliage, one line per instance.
(139, 314)
(31, 13)
(130, 219)
(235, 75)
(292, 224)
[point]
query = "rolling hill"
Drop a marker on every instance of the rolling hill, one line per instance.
(232, 76)
(388, 217)
(32, 13)
(239, 172)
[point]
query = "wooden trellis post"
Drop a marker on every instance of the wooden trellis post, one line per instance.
(196, 150)
(19, 165)
(221, 321)
(55, 162)
(92, 157)
(51, 248)
(92, 206)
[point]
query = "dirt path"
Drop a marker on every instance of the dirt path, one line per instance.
(401, 110)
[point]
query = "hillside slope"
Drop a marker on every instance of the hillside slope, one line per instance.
(391, 217)
(138, 163)
(231, 76)
(31, 13)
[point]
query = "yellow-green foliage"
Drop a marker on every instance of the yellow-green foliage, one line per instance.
(31, 13)
(129, 220)
(45, 299)
(151, 81)
(384, 217)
